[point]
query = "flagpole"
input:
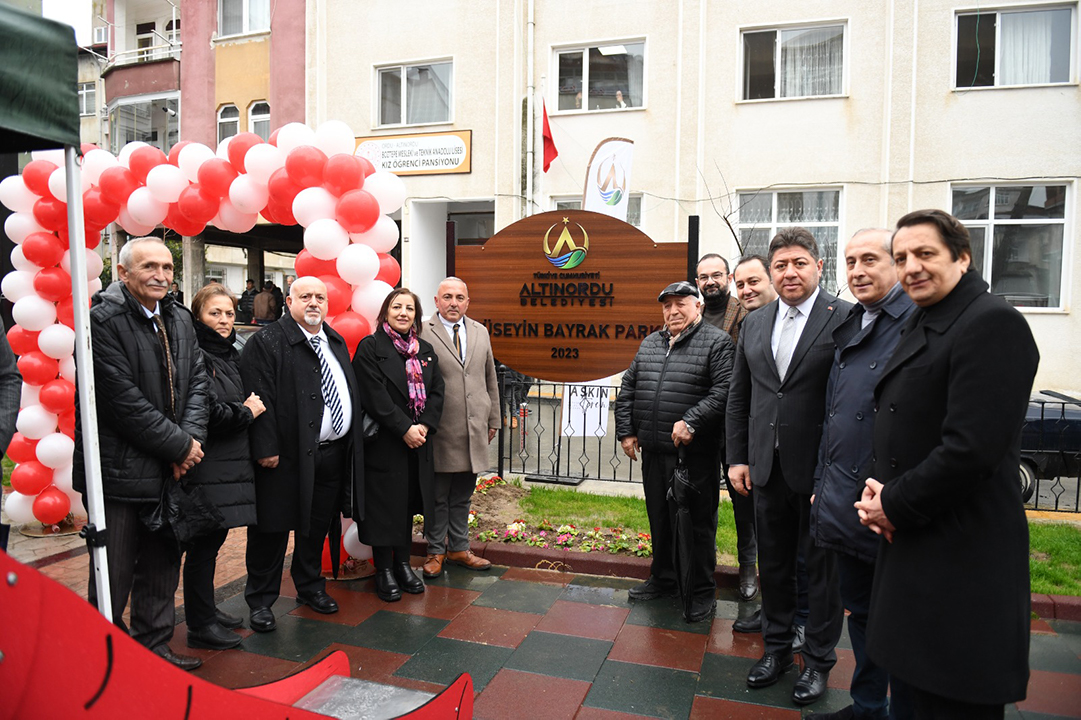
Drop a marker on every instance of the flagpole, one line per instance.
(530, 125)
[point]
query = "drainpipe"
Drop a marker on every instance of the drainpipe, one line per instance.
(529, 128)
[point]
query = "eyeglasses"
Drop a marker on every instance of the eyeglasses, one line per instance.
(717, 277)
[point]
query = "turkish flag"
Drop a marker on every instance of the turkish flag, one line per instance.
(550, 152)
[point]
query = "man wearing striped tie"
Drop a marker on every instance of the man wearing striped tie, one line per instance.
(307, 447)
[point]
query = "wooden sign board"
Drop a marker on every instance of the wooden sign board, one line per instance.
(569, 295)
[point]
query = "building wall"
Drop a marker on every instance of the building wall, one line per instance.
(242, 75)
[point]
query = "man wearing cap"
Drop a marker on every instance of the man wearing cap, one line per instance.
(672, 400)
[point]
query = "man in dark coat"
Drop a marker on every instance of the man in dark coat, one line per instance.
(672, 400)
(247, 302)
(152, 415)
(950, 605)
(865, 341)
(774, 424)
(308, 449)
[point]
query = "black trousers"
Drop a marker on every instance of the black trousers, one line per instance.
(743, 510)
(783, 532)
(869, 681)
(265, 555)
(200, 561)
(657, 471)
(144, 565)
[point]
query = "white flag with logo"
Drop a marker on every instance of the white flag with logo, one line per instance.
(608, 176)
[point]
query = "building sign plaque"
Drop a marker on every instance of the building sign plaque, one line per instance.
(439, 153)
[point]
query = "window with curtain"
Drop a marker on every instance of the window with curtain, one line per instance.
(761, 214)
(793, 62)
(600, 77)
(1023, 47)
(415, 94)
(1017, 234)
(259, 120)
(236, 17)
(228, 122)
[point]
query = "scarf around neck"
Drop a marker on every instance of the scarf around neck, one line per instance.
(408, 347)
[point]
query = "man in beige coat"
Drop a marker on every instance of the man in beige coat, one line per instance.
(470, 420)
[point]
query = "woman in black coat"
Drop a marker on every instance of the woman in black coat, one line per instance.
(401, 387)
(225, 474)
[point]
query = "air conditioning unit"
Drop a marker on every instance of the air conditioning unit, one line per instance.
(101, 35)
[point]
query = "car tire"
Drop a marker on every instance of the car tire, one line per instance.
(1028, 480)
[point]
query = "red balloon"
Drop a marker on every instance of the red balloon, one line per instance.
(84, 148)
(144, 159)
(51, 506)
(65, 312)
(57, 396)
(97, 209)
(307, 265)
(274, 138)
(353, 327)
(196, 206)
(305, 166)
(390, 271)
(66, 422)
(283, 214)
(281, 188)
(31, 477)
(51, 214)
(342, 174)
(174, 152)
(36, 176)
(175, 220)
(357, 211)
(339, 294)
(53, 284)
(21, 340)
(22, 449)
(215, 177)
(239, 147)
(366, 165)
(37, 368)
(117, 184)
(93, 239)
(43, 249)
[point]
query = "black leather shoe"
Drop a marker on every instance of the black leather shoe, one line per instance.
(386, 587)
(701, 612)
(262, 620)
(228, 621)
(184, 662)
(748, 582)
(846, 713)
(768, 670)
(810, 686)
(318, 601)
(212, 637)
(407, 579)
(752, 624)
(799, 636)
(651, 590)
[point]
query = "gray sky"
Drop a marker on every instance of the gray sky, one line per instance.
(70, 12)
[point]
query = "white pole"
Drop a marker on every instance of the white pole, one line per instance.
(530, 163)
(84, 373)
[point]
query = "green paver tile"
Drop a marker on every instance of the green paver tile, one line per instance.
(296, 638)
(596, 595)
(725, 677)
(444, 659)
(642, 690)
(520, 596)
(562, 656)
(664, 613)
(393, 632)
(1052, 653)
(463, 579)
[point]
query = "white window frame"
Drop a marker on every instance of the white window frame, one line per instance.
(172, 31)
(1009, 9)
(246, 28)
(88, 89)
(574, 202)
(145, 53)
(989, 235)
(254, 117)
(221, 121)
(163, 142)
(557, 50)
(402, 68)
(774, 226)
(846, 61)
(101, 35)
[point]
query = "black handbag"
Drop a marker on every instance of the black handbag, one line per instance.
(184, 512)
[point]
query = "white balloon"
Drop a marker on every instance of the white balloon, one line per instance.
(19, 508)
(247, 195)
(96, 162)
(57, 341)
(62, 475)
(387, 189)
(19, 261)
(191, 157)
(56, 157)
(67, 368)
(19, 225)
(325, 239)
(94, 263)
(293, 135)
(166, 182)
(233, 219)
(312, 204)
(353, 545)
(35, 422)
(262, 160)
(358, 264)
(382, 237)
(334, 138)
(58, 184)
(54, 451)
(369, 298)
(127, 150)
(34, 313)
(145, 209)
(17, 285)
(29, 396)
(16, 196)
(94, 287)
(130, 226)
(223, 149)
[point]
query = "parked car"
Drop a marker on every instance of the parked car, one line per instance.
(1050, 439)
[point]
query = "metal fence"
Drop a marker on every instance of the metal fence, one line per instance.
(1051, 454)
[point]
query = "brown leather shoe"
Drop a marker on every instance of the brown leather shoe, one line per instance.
(433, 566)
(467, 559)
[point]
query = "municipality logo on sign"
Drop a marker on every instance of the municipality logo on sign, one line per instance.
(568, 252)
(611, 181)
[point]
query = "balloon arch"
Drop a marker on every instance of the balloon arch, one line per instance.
(300, 177)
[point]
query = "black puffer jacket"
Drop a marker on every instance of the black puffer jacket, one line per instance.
(688, 382)
(137, 437)
(226, 473)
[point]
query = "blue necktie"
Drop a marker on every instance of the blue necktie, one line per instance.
(330, 391)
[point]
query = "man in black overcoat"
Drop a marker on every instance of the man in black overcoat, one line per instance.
(307, 446)
(950, 604)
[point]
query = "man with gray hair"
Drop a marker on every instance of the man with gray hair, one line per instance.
(152, 417)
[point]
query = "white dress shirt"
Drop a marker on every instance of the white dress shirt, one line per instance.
(326, 430)
(801, 321)
(450, 332)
